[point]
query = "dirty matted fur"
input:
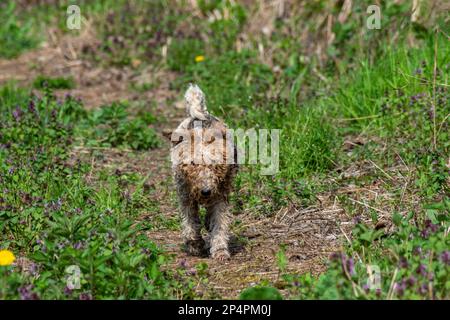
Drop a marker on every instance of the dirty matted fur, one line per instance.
(203, 166)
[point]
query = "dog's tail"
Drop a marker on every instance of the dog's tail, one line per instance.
(196, 103)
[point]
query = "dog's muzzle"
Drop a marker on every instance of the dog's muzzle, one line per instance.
(205, 192)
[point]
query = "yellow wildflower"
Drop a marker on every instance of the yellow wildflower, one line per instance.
(199, 58)
(6, 257)
(136, 63)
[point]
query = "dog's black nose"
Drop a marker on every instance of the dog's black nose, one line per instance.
(206, 192)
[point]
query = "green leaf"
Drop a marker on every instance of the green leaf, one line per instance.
(154, 271)
(39, 256)
(431, 214)
(366, 236)
(260, 293)
(397, 218)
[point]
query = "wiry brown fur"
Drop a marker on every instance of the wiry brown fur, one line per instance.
(193, 177)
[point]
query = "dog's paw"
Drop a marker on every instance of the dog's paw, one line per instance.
(220, 255)
(195, 247)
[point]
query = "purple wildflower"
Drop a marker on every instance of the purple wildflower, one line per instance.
(183, 263)
(78, 245)
(26, 293)
(418, 71)
(425, 233)
(335, 256)
(17, 113)
(434, 227)
(33, 269)
(403, 263)
(54, 206)
(415, 98)
(32, 107)
(429, 229)
(422, 270)
(191, 272)
(378, 292)
(417, 251)
(431, 226)
(5, 145)
(411, 281)
(85, 296)
(423, 289)
(366, 288)
(445, 257)
(67, 291)
(350, 266)
(357, 219)
(400, 287)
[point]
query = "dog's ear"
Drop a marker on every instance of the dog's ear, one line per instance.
(175, 137)
(176, 142)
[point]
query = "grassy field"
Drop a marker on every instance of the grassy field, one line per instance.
(358, 210)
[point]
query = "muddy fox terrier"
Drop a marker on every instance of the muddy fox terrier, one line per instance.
(203, 162)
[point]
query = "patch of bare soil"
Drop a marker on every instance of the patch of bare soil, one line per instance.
(60, 56)
(308, 234)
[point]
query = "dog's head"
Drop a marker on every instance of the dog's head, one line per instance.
(202, 157)
(203, 181)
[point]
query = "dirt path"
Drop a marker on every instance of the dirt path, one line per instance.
(308, 234)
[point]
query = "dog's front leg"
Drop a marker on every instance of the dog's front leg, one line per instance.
(191, 228)
(219, 219)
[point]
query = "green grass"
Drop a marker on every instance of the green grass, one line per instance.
(42, 82)
(413, 262)
(54, 217)
(111, 126)
(390, 99)
(227, 97)
(367, 89)
(15, 35)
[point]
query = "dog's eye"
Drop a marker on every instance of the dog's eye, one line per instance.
(177, 142)
(211, 139)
